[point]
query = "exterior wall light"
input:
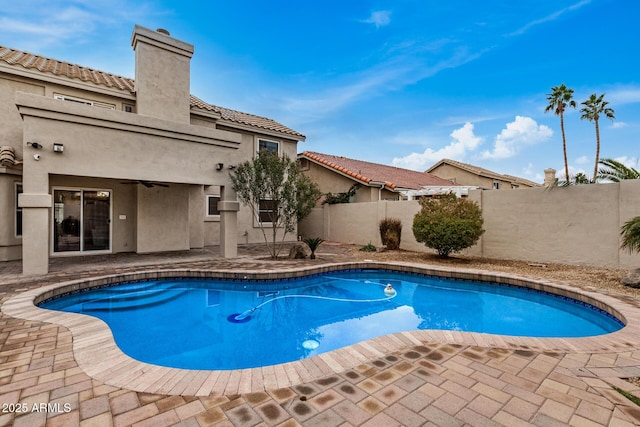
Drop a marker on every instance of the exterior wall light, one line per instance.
(58, 148)
(34, 145)
(219, 166)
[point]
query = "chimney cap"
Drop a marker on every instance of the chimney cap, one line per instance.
(163, 31)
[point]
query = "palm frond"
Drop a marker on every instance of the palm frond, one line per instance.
(630, 233)
(616, 171)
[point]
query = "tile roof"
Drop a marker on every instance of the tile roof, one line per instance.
(367, 172)
(484, 172)
(17, 58)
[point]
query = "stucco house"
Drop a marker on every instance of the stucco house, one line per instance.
(337, 174)
(466, 174)
(94, 163)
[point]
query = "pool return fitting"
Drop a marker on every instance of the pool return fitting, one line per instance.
(245, 316)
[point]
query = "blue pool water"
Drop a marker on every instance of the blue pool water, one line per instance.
(212, 324)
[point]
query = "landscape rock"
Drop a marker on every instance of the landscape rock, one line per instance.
(299, 251)
(632, 279)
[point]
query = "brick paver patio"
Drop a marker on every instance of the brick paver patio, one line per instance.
(434, 378)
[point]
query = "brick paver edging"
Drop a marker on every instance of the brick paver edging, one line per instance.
(99, 357)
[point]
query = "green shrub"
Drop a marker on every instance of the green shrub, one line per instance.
(368, 248)
(447, 224)
(391, 232)
(313, 244)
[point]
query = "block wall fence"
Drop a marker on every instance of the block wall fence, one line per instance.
(577, 225)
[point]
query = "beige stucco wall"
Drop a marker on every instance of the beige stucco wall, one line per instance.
(162, 218)
(577, 225)
(463, 177)
(333, 182)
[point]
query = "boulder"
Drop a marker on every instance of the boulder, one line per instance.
(632, 279)
(299, 251)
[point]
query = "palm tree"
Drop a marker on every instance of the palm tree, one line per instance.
(630, 233)
(593, 107)
(559, 99)
(615, 171)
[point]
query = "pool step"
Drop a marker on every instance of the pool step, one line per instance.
(133, 300)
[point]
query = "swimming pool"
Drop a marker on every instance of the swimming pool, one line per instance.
(195, 324)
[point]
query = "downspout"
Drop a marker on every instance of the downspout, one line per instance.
(381, 184)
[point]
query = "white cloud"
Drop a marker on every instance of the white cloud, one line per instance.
(619, 125)
(521, 132)
(548, 18)
(631, 162)
(463, 141)
(582, 160)
(379, 18)
(621, 95)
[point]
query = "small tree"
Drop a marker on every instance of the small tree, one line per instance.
(277, 192)
(447, 224)
(390, 233)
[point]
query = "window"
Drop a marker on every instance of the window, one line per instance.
(265, 211)
(84, 101)
(271, 146)
(18, 211)
(212, 205)
(496, 185)
(128, 108)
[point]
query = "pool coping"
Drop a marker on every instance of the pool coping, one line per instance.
(99, 357)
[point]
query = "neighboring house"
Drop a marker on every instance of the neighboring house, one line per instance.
(94, 163)
(466, 174)
(336, 174)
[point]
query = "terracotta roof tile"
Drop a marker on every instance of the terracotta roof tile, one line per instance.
(244, 118)
(367, 172)
(484, 172)
(31, 61)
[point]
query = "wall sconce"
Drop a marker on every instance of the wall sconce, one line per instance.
(232, 167)
(34, 145)
(58, 148)
(219, 166)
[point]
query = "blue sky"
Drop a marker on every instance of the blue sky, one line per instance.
(401, 82)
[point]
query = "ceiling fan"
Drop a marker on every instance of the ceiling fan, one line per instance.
(147, 184)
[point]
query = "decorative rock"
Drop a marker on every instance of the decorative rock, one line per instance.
(632, 279)
(299, 251)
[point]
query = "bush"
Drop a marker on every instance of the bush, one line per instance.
(447, 224)
(313, 244)
(390, 233)
(368, 248)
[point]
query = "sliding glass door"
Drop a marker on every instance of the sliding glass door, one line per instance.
(81, 220)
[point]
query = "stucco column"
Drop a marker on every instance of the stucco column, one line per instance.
(228, 223)
(35, 203)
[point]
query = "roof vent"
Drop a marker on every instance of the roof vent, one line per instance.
(163, 31)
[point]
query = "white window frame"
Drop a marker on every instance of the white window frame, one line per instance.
(18, 189)
(257, 215)
(78, 100)
(496, 185)
(258, 139)
(208, 215)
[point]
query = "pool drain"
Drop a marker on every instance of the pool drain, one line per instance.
(310, 344)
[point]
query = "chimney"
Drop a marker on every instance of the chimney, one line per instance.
(550, 177)
(162, 80)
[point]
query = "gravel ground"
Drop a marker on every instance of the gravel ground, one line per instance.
(604, 279)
